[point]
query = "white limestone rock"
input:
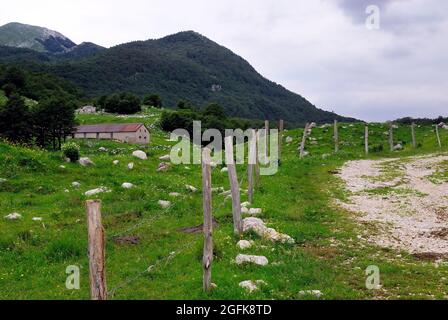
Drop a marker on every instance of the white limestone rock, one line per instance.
(96, 191)
(164, 204)
(244, 244)
(191, 188)
(175, 194)
(165, 158)
(258, 260)
(255, 211)
(127, 185)
(131, 166)
(252, 286)
(13, 216)
(76, 184)
(259, 227)
(224, 170)
(86, 162)
(140, 155)
(37, 219)
(116, 162)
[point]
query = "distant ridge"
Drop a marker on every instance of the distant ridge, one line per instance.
(183, 66)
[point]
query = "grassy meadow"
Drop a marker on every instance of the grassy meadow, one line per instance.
(330, 253)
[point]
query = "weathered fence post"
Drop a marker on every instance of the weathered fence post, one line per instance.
(438, 136)
(257, 162)
(302, 144)
(414, 141)
(96, 249)
(281, 127)
(336, 136)
(391, 137)
(266, 127)
(234, 185)
(366, 139)
(208, 221)
(252, 163)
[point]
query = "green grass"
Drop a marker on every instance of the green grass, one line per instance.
(328, 255)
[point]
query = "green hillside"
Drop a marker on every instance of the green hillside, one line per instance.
(184, 66)
(165, 263)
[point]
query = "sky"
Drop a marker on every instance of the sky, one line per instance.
(321, 49)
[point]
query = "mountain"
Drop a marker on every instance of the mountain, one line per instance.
(183, 66)
(36, 38)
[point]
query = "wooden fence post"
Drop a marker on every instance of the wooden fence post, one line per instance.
(257, 162)
(234, 185)
(208, 221)
(96, 244)
(438, 136)
(252, 164)
(336, 136)
(414, 141)
(266, 127)
(366, 139)
(281, 127)
(391, 137)
(302, 144)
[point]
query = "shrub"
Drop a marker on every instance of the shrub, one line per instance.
(71, 151)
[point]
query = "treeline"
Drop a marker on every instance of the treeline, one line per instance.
(422, 121)
(212, 116)
(126, 103)
(46, 121)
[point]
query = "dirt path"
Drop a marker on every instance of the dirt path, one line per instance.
(406, 199)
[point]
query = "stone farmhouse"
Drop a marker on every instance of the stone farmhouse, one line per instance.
(129, 132)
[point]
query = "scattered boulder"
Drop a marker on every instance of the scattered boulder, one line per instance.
(163, 167)
(131, 166)
(127, 185)
(13, 216)
(245, 204)
(226, 193)
(102, 149)
(76, 184)
(315, 293)
(66, 191)
(62, 167)
(289, 139)
(258, 260)
(251, 286)
(224, 170)
(164, 204)
(175, 194)
(140, 154)
(218, 190)
(116, 162)
(86, 162)
(37, 219)
(191, 188)
(259, 227)
(244, 244)
(398, 147)
(244, 210)
(96, 191)
(255, 211)
(165, 158)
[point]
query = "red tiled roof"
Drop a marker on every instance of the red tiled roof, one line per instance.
(109, 128)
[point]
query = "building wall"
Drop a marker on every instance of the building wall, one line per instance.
(142, 136)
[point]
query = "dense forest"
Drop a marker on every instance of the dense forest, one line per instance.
(184, 66)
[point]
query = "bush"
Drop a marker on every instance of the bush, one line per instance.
(71, 151)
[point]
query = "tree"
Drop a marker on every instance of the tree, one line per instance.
(9, 89)
(14, 76)
(54, 120)
(15, 120)
(123, 103)
(215, 110)
(153, 100)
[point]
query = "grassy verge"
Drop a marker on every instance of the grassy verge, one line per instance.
(330, 254)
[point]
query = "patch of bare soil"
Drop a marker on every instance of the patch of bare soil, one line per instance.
(409, 210)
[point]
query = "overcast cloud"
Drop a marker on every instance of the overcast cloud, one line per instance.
(319, 49)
